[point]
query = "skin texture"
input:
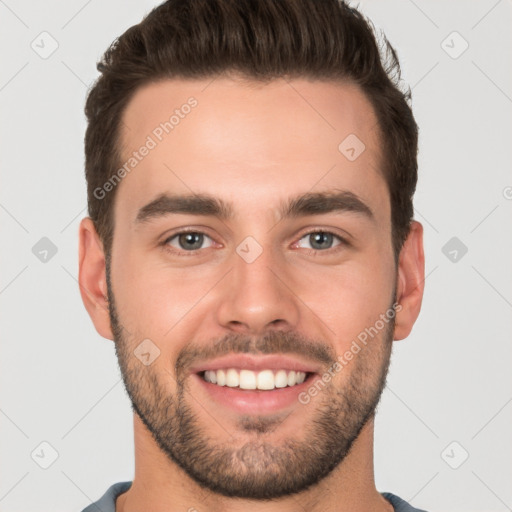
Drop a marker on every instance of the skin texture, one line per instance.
(254, 146)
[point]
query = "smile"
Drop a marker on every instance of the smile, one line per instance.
(265, 380)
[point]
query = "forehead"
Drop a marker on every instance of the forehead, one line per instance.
(248, 142)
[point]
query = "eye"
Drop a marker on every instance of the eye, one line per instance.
(189, 241)
(320, 240)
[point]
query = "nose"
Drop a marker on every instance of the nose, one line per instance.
(257, 297)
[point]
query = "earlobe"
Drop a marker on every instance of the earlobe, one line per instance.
(411, 279)
(92, 278)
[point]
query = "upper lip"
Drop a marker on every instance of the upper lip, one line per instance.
(257, 363)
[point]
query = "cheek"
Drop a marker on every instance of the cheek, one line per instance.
(351, 297)
(152, 299)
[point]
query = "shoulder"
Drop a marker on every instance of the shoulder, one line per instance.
(107, 503)
(399, 504)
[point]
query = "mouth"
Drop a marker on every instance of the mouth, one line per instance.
(264, 380)
(255, 385)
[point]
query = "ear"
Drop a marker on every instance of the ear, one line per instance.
(92, 278)
(410, 281)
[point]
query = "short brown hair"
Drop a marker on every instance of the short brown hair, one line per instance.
(259, 40)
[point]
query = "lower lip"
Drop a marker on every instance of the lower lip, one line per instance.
(254, 401)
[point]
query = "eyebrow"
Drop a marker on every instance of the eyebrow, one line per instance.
(311, 203)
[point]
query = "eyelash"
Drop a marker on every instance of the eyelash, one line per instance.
(343, 242)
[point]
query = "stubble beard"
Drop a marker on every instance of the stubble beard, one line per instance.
(258, 469)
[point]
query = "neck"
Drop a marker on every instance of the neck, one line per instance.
(160, 485)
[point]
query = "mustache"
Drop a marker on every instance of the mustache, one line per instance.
(272, 342)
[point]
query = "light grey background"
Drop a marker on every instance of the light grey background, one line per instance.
(450, 381)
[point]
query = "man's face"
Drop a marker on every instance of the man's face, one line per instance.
(263, 287)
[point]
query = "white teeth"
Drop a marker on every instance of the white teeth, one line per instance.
(266, 379)
(232, 379)
(221, 377)
(210, 376)
(281, 379)
(247, 379)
